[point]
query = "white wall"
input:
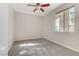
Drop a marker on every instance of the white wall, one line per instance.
(5, 30)
(10, 26)
(27, 26)
(69, 40)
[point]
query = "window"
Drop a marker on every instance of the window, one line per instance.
(64, 21)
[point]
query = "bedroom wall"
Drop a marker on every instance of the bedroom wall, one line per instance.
(3, 29)
(27, 26)
(6, 28)
(69, 40)
(10, 25)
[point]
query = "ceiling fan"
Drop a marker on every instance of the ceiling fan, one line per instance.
(39, 6)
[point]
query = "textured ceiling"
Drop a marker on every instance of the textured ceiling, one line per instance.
(23, 8)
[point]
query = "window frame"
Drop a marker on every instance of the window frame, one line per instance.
(64, 20)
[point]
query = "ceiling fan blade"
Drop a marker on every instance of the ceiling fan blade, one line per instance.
(42, 10)
(45, 5)
(31, 5)
(34, 9)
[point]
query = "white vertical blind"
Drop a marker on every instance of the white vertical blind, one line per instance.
(64, 20)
